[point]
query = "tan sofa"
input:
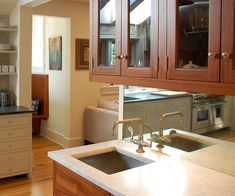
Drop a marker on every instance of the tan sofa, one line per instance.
(98, 124)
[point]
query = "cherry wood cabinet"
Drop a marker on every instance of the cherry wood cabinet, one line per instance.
(125, 38)
(228, 42)
(67, 183)
(193, 37)
(186, 45)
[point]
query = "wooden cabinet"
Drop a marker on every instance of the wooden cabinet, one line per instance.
(200, 37)
(189, 45)
(67, 183)
(15, 145)
(125, 42)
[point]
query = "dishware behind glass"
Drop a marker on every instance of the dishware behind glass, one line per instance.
(5, 68)
(12, 68)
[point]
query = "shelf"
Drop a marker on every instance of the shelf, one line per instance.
(196, 32)
(10, 29)
(7, 74)
(8, 51)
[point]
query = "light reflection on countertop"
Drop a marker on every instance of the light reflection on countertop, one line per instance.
(174, 172)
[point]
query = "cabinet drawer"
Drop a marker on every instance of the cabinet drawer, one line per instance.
(14, 145)
(17, 166)
(16, 120)
(13, 157)
(14, 133)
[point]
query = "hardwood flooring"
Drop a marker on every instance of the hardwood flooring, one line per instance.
(42, 175)
(225, 134)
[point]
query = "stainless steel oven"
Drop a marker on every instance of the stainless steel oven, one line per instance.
(207, 114)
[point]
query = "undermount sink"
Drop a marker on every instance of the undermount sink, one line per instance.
(112, 162)
(130, 98)
(186, 144)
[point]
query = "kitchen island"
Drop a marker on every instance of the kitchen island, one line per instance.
(169, 171)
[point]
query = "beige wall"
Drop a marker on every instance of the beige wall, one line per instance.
(82, 92)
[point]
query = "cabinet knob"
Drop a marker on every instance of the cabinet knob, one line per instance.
(118, 56)
(226, 55)
(212, 55)
(124, 56)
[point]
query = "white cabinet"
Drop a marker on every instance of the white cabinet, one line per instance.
(15, 144)
(151, 112)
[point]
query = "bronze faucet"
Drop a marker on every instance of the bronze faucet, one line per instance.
(160, 138)
(140, 142)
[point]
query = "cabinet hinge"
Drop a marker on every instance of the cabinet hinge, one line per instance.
(167, 63)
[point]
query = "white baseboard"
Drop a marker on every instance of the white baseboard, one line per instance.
(61, 139)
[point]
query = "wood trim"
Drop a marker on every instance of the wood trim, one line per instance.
(189, 86)
(69, 183)
(228, 41)
(162, 73)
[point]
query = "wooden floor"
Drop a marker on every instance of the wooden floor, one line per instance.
(225, 134)
(41, 182)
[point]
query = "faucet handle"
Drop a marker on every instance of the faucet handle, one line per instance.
(130, 129)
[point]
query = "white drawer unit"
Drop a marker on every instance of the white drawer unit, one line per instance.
(15, 144)
(151, 112)
(15, 132)
(14, 120)
(13, 157)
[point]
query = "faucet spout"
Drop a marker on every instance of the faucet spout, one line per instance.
(161, 138)
(140, 141)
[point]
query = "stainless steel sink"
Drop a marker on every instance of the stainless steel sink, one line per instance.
(112, 162)
(130, 98)
(187, 144)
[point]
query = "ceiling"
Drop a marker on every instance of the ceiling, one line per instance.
(6, 6)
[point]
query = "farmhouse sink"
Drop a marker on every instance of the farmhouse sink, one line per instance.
(112, 162)
(186, 144)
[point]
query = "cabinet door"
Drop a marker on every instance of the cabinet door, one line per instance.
(139, 38)
(194, 39)
(107, 37)
(228, 42)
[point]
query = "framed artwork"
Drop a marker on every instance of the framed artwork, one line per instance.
(55, 53)
(82, 54)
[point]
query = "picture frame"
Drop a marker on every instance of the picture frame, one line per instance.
(82, 54)
(55, 53)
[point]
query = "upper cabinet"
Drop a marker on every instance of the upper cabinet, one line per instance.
(175, 44)
(228, 41)
(125, 38)
(200, 40)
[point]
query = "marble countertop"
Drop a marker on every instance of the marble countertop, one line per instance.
(14, 110)
(148, 96)
(173, 172)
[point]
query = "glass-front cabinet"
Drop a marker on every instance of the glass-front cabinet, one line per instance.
(194, 39)
(124, 42)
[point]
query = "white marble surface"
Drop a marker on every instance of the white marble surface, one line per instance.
(172, 173)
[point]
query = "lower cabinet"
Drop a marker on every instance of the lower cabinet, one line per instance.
(151, 111)
(15, 145)
(67, 183)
